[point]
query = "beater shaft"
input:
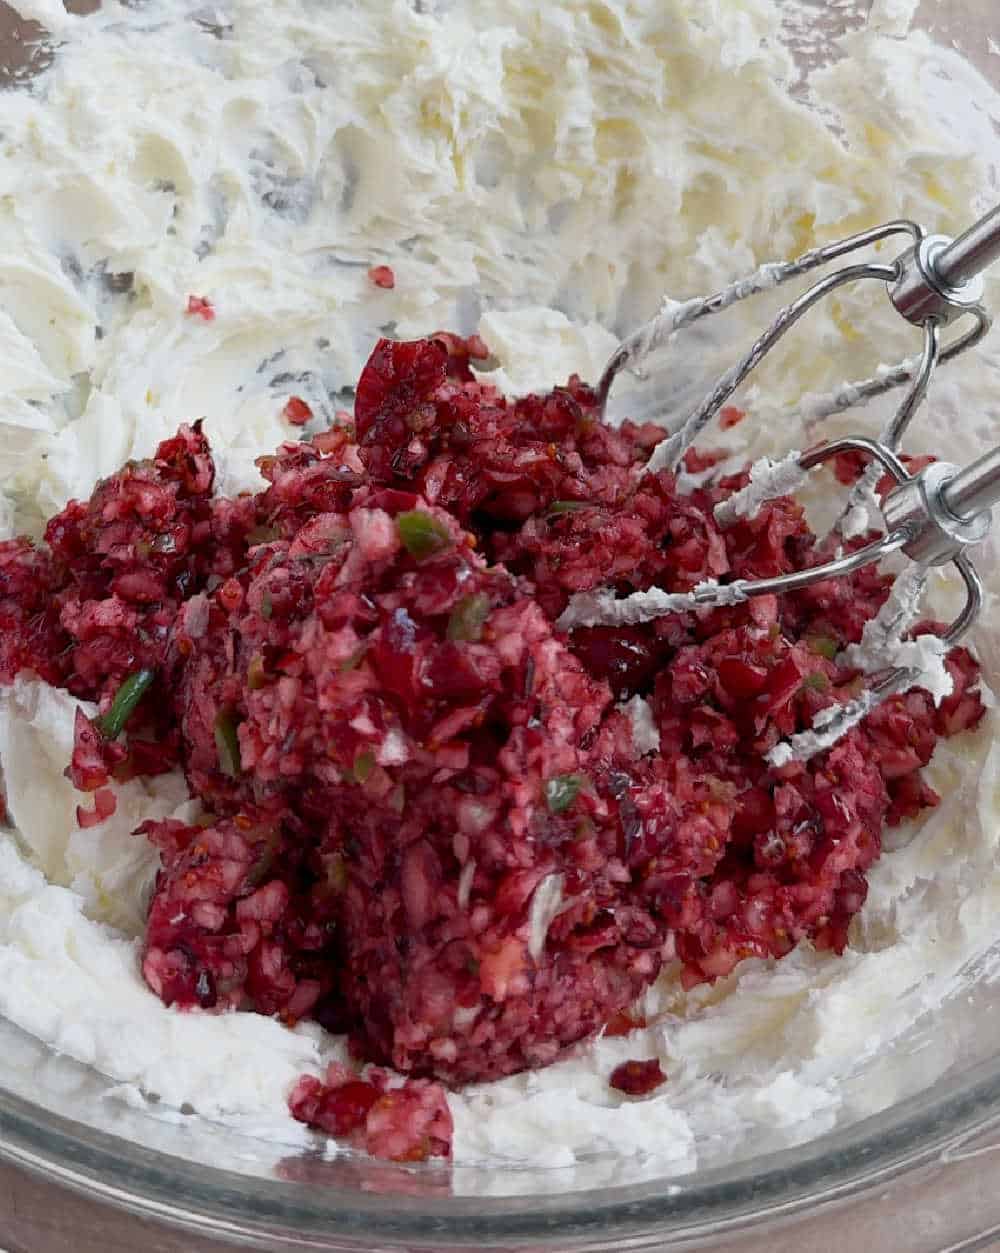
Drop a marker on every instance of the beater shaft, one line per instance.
(974, 489)
(972, 252)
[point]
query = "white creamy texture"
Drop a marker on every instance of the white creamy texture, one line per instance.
(601, 608)
(920, 661)
(768, 480)
(574, 161)
(882, 644)
(569, 348)
(892, 17)
(645, 732)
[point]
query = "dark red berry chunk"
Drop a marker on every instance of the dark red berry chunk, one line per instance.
(297, 411)
(638, 1078)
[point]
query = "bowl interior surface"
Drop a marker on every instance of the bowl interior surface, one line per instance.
(940, 1080)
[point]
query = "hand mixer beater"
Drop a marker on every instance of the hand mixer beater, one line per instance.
(931, 517)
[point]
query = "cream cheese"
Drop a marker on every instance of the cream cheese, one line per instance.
(601, 608)
(544, 173)
(883, 646)
(769, 479)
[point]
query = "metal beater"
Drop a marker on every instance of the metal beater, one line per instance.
(932, 517)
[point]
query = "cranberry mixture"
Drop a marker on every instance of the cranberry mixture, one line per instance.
(427, 822)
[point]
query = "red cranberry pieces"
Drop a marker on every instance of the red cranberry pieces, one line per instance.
(105, 805)
(296, 411)
(623, 1023)
(338, 1108)
(422, 714)
(638, 1078)
(432, 829)
(93, 755)
(396, 404)
(229, 925)
(408, 1123)
(31, 635)
(382, 276)
(425, 422)
(199, 307)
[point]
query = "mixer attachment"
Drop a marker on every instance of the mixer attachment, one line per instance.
(932, 516)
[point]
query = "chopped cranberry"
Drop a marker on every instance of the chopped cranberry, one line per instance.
(405, 1124)
(93, 755)
(730, 416)
(431, 826)
(623, 1023)
(382, 276)
(105, 804)
(638, 1078)
(461, 352)
(625, 657)
(336, 1110)
(741, 678)
(410, 1124)
(696, 460)
(296, 411)
(849, 466)
(200, 307)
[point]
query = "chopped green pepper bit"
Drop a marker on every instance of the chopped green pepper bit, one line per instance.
(364, 764)
(817, 681)
(227, 743)
(352, 662)
(263, 535)
(336, 873)
(824, 646)
(562, 790)
(421, 534)
(469, 617)
(123, 706)
(267, 855)
(257, 673)
(568, 506)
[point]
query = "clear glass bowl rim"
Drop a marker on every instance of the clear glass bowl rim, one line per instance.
(272, 1214)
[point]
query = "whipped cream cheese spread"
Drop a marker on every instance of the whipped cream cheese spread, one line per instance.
(541, 174)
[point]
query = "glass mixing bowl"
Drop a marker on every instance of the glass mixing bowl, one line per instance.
(909, 1165)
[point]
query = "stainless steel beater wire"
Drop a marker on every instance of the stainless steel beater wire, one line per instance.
(973, 601)
(863, 239)
(856, 443)
(780, 272)
(847, 564)
(885, 460)
(971, 337)
(901, 677)
(892, 682)
(669, 452)
(894, 431)
(859, 393)
(709, 596)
